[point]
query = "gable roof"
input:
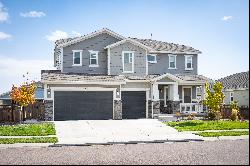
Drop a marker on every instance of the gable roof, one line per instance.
(165, 47)
(69, 41)
(236, 81)
(128, 40)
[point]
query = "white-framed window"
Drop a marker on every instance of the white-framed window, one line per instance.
(172, 61)
(188, 62)
(93, 58)
(231, 96)
(151, 58)
(198, 93)
(128, 61)
(77, 57)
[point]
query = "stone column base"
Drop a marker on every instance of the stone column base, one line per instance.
(117, 109)
(48, 110)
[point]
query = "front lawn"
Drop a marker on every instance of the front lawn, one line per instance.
(223, 133)
(42, 129)
(200, 125)
(28, 140)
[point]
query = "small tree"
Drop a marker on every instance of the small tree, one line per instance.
(214, 99)
(24, 95)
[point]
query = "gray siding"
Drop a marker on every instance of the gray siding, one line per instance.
(242, 96)
(162, 65)
(116, 67)
(96, 43)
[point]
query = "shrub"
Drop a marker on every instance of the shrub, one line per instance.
(191, 116)
(211, 115)
(234, 115)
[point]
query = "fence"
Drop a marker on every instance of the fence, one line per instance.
(13, 113)
(226, 112)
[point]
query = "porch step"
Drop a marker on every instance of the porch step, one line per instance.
(165, 117)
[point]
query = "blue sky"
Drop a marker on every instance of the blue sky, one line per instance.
(219, 28)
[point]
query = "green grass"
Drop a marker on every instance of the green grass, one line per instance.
(199, 125)
(223, 133)
(28, 140)
(42, 129)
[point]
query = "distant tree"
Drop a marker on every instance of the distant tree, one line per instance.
(25, 94)
(214, 99)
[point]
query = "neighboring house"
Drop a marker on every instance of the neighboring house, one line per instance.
(5, 98)
(236, 88)
(104, 75)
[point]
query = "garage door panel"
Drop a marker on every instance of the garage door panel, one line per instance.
(133, 104)
(87, 105)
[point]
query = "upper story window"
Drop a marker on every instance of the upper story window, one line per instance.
(172, 61)
(188, 62)
(128, 61)
(231, 96)
(77, 57)
(93, 60)
(152, 58)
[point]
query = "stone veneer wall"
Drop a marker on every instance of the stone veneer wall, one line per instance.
(156, 107)
(149, 109)
(117, 109)
(171, 108)
(48, 111)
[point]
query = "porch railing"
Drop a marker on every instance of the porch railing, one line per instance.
(192, 108)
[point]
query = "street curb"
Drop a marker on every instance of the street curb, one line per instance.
(126, 143)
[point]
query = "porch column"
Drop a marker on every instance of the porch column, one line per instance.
(155, 106)
(203, 91)
(174, 96)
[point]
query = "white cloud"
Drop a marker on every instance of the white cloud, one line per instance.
(4, 36)
(12, 70)
(227, 18)
(75, 34)
(4, 15)
(56, 35)
(33, 14)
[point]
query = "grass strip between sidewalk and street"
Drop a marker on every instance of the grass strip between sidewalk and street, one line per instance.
(29, 140)
(200, 125)
(222, 133)
(41, 129)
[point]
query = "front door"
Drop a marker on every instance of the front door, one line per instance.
(187, 95)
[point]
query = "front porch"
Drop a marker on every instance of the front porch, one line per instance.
(179, 95)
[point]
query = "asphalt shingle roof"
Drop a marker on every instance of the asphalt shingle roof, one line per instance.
(168, 47)
(236, 81)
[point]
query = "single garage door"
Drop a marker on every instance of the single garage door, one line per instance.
(83, 105)
(133, 104)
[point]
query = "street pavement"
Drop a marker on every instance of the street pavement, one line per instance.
(226, 152)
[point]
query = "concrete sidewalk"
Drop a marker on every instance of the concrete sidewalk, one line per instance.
(118, 131)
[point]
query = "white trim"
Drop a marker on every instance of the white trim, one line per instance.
(135, 89)
(93, 34)
(85, 82)
(128, 40)
(74, 51)
(97, 58)
(166, 90)
(108, 61)
(183, 87)
(154, 55)
(172, 55)
(173, 52)
(170, 76)
(186, 58)
(146, 62)
(133, 61)
(238, 89)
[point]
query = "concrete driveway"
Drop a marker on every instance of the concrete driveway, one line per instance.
(117, 131)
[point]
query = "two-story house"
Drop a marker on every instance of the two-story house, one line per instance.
(103, 75)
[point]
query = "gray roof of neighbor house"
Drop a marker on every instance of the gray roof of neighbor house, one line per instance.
(235, 81)
(167, 47)
(38, 94)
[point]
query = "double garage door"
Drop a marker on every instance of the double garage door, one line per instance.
(97, 105)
